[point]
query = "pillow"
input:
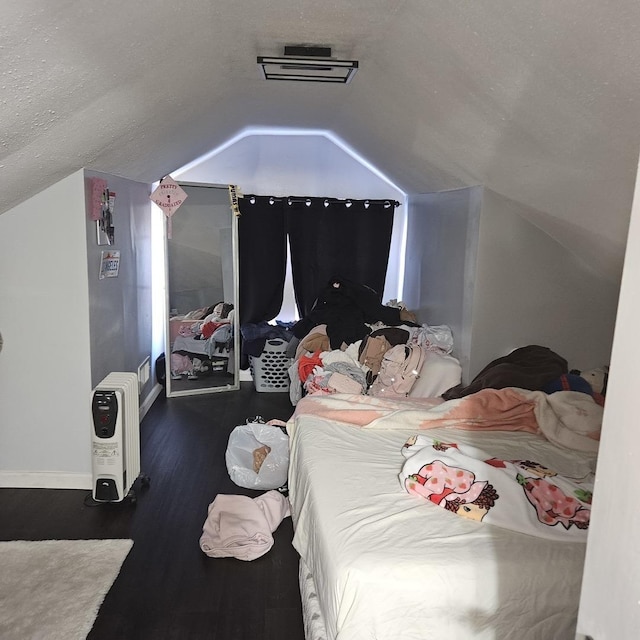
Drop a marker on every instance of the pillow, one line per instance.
(439, 373)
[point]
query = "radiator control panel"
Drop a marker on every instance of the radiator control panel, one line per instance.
(105, 413)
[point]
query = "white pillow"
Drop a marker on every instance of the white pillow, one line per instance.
(439, 373)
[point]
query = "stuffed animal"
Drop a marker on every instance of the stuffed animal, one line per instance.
(597, 378)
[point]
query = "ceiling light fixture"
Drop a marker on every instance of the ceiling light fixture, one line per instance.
(307, 64)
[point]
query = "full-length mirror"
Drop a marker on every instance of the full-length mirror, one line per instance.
(202, 354)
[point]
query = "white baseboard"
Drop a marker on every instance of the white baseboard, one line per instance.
(45, 480)
(149, 400)
(60, 479)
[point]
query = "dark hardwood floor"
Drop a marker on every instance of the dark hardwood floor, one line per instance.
(168, 588)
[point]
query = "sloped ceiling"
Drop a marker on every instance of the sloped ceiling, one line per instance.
(539, 101)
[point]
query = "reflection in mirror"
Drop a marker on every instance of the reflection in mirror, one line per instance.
(202, 284)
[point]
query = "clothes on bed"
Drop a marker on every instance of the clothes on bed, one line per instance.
(393, 335)
(347, 308)
(315, 341)
(309, 372)
(371, 352)
(519, 495)
(329, 372)
(436, 338)
(207, 329)
(241, 527)
(530, 367)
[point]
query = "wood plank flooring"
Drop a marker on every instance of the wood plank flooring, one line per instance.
(168, 588)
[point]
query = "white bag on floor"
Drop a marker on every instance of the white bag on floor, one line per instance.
(246, 439)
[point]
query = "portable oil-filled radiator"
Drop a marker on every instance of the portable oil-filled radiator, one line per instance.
(115, 441)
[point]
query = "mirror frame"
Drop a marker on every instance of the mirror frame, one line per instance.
(235, 386)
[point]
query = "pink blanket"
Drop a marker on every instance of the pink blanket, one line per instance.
(566, 418)
(242, 527)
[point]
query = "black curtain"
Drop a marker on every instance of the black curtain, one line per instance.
(262, 259)
(348, 239)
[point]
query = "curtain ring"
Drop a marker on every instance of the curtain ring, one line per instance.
(366, 204)
(308, 202)
(271, 200)
(387, 204)
(326, 203)
(252, 199)
(348, 203)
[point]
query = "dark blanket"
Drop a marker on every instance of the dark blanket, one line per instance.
(347, 308)
(530, 367)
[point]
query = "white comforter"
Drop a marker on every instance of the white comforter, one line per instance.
(388, 565)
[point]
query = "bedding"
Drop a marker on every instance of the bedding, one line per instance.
(389, 564)
(195, 346)
(201, 341)
(180, 327)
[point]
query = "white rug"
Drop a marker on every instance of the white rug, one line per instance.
(52, 589)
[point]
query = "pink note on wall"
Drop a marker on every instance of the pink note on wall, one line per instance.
(98, 186)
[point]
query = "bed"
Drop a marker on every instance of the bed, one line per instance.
(201, 341)
(380, 562)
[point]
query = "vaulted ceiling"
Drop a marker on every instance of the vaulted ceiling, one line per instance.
(539, 101)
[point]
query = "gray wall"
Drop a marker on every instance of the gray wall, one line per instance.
(442, 235)
(45, 381)
(64, 329)
(477, 263)
(530, 290)
(612, 548)
(120, 309)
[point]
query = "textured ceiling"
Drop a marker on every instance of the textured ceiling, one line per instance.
(539, 101)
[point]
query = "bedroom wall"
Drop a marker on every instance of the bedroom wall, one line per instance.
(45, 370)
(63, 331)
(305, 164)
(530, 290)
(442, 233)
(611, 570)
(120, 309)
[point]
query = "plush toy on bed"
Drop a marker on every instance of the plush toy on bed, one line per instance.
(592, 382)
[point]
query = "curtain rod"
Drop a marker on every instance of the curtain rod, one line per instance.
(205, 185)
(294, 199)
(307, 200)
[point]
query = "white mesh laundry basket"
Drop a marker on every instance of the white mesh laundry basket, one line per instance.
(270, 368)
